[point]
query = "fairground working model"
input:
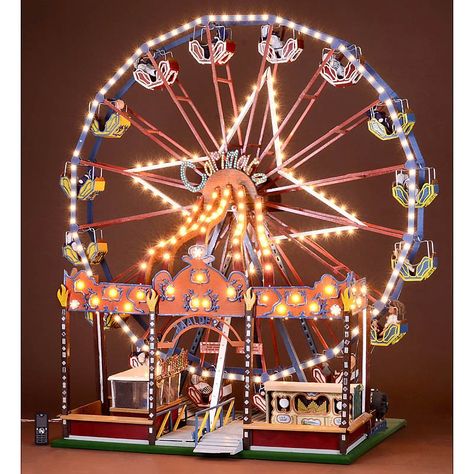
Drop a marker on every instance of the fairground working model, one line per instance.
(231, 344)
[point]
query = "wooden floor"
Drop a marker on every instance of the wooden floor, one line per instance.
(419, 448)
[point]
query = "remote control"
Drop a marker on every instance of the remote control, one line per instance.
(41, 429)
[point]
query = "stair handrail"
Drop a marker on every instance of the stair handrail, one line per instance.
(168, 419)
(219, 416)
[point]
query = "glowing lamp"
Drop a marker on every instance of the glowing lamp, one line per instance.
(329, 290)
(265, 298)
(113, 292)
(206, 302)
(281, 309)
(140, 295)
(295, 298)
(128, 306)
(231, 293)
(194, 302)
(314, 307)
(166, 256)
(94, 301)
(199, 277)
(80, 285)
(170, 290)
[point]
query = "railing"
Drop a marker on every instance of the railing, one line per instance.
(206, 426)
(168, 419)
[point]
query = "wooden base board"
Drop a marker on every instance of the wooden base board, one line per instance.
(393, 425)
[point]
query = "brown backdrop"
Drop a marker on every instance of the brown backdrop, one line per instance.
(69, 50)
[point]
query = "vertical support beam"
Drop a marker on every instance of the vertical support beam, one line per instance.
(101, 361)
(346, 381)
(365, 328)
(291, 350)
(250, 299)
(216, 387)
(65, 368)
(151, 380)
(309, 337)
(152, 300)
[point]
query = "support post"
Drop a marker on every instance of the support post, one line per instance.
(101, 361)
(250, 299)
(62, 296)
(152, 299)
(65, 368)
(348, 300)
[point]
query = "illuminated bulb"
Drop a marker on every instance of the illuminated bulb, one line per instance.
(237, 256)
(80, 285)
(143, 265)
(266, 252)
(94, 300)
(128, 306)
(281, 309)
(231, 293)
(206, 303)
(166, 256)
(173, 240)
(200, 277)
(113, 293)
(151, 251)
(194, 302)
(295, 297)
(214, 195)
(268, 267)
(170, 290)
(265, 298)
(329, 290)
(314, 307)
(140, 295)
(134, 339)
(235, 242)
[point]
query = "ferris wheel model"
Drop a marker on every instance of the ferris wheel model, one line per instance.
(232, 217)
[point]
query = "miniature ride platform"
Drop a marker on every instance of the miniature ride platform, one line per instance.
(393, 425)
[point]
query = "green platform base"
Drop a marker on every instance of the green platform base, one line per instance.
(393, 425)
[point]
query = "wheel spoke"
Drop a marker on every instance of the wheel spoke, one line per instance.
(257, 90)
(176, 183)
(133, 218)
(177, 101)
(150, 131)
(332, 135)
(216, 87)
(345, 178)
(304, 95)
(336, 219)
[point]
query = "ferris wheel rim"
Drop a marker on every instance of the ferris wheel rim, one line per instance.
(414, 159)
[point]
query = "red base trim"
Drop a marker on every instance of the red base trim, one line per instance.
(109, 430)
(302, 439)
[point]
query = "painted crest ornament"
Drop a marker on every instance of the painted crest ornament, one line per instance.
(218, 161)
